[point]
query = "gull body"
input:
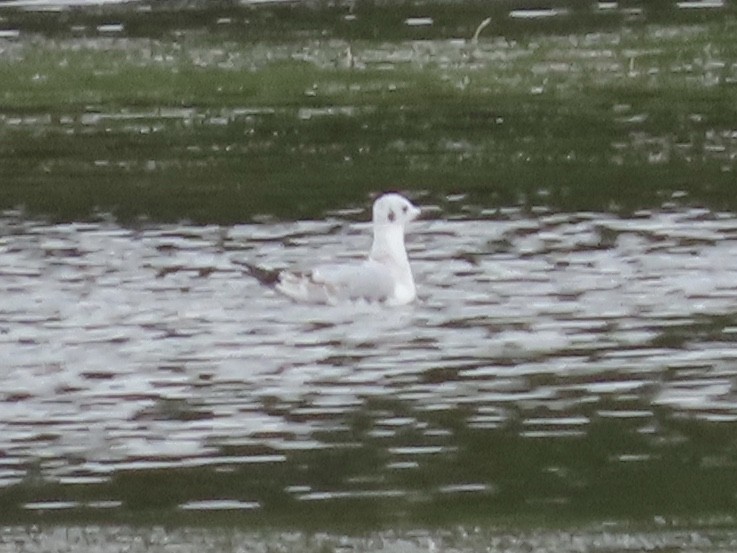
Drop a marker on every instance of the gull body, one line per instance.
(385, 276)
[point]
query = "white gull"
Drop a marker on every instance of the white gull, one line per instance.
(385, 276)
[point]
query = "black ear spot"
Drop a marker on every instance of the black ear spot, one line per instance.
(392, 216)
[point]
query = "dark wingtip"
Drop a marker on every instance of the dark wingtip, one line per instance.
(267, 277)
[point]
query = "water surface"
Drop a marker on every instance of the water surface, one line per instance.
(602, 538)
(553, 358)
(571, 355)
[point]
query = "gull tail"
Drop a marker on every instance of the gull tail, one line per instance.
(267, 277)
(297, 286)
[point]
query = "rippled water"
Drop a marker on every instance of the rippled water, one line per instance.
(553, 358)
(603, 538)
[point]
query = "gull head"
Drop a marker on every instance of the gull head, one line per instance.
(394, 209)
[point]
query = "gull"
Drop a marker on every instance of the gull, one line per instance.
(384, 276)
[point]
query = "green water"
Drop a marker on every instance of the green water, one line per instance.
(211, 122)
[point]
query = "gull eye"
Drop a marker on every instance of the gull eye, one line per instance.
(392, 216)
(404, 209)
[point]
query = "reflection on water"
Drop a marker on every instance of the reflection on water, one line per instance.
(578, 122)
(553, 359)
(603, 538)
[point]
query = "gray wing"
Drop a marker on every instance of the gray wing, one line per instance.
(369, 281)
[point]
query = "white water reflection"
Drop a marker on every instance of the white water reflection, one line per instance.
(601, 538)
(146, 348)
